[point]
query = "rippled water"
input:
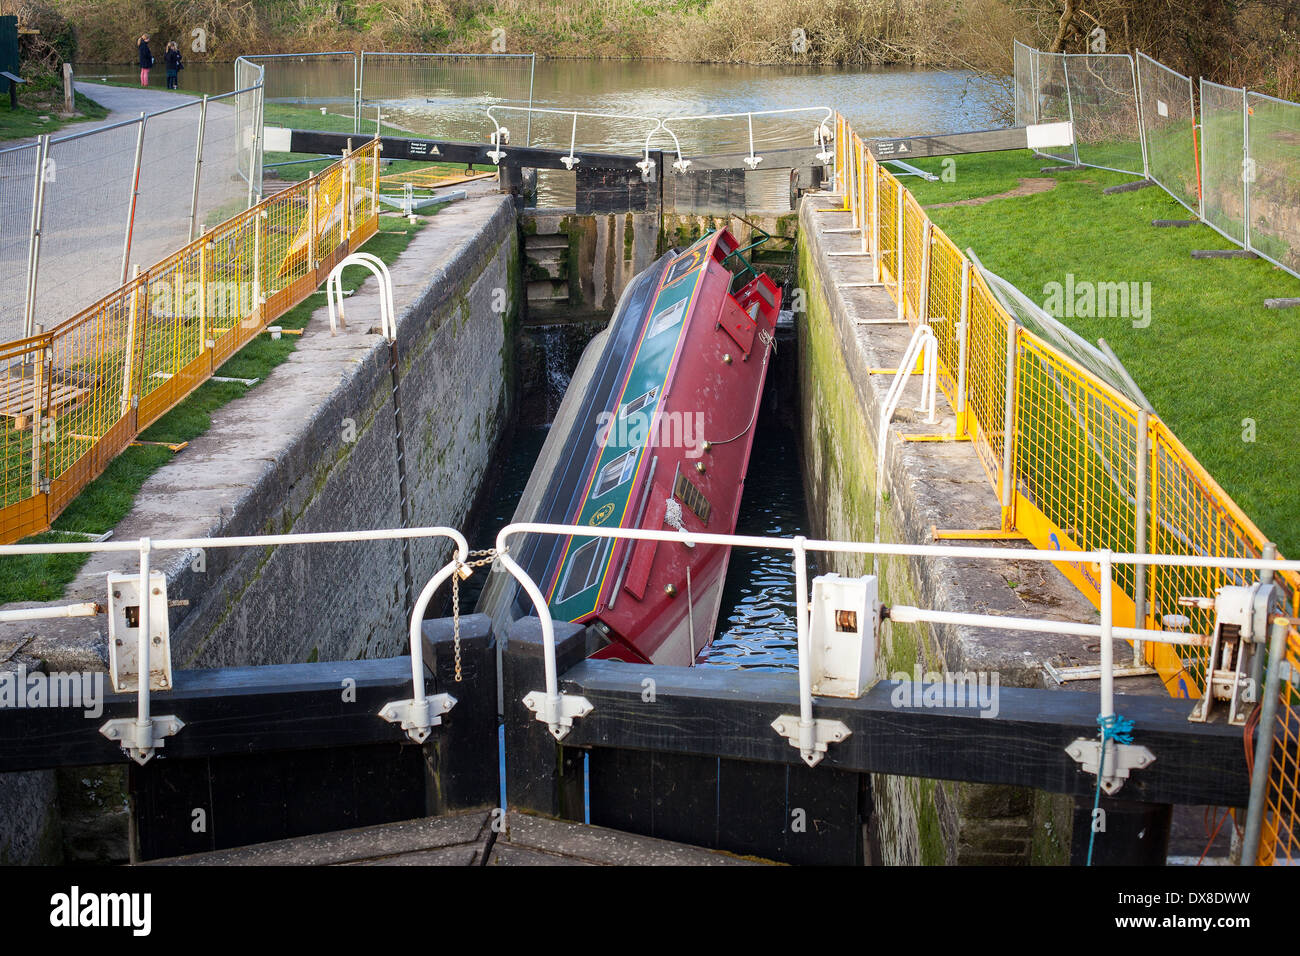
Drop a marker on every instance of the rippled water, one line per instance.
(756, 625)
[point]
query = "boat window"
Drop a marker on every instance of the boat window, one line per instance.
(615, 473)
(641, 401)
(667, 318)
(583, 570)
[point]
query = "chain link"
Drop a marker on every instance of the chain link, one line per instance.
(463, 571)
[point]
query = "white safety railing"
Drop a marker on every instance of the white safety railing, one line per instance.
(820, 133)
(812, 737)
(334, 290)
(141, 738)
(500, 135)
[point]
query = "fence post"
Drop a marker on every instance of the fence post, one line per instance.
(312, 264)
(204, 342)
(1069, 105)
(1142, 126)
(344, 168)
(898, 241)
(374, 175)
(135, 193)
(1009, 430)
(1142, 451)
(257, 272)
(128, 360)
(38, 413)
(34, 239)
(963, 350)
(876, 275)
(198, 168)
(532, 75)
(1262, 767)
(358, 77)
(1247, 168)
(923, 293)
(868, 210)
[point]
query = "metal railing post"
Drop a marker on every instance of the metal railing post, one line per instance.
(1142, 125)
(198, 168)
(1247, 169)
(875, 222)
(899, 241)
(34, 238)
(807, 730)
(923, 293)
(1262, 767)
(1107, 708)
(128, 360)
(255, 316)
(135, 193)
(312, 264)
(38, 414)
(1140, 493)
(963, 350)
(1009, 426)
(1069, 104)
(532, 73)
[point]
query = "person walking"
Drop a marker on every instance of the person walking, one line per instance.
(146, 58)
(172, 60)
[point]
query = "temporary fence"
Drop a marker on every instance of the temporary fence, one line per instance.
(75, 396)
(1077, 464)
(81, 208)
(1237, 169)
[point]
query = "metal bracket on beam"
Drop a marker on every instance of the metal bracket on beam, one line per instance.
(812, 740)
(140, 744)
(1120, 759)
(558, 712)
(418, 717)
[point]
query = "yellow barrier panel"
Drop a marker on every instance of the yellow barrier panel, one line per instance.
(74, 397)
(1279, 836)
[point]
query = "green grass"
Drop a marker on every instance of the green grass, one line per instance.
(108, 499)
(1212, 357)
(26, 120)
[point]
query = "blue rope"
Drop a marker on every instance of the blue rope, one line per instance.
(1120, 730)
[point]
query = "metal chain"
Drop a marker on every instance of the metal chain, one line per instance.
(463, 571)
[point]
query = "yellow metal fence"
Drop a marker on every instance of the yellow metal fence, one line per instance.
(74, 397)
(1075, 481)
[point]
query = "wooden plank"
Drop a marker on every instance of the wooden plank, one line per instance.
(728, 714)
(381, 843)
(593, 844)
(226, 711)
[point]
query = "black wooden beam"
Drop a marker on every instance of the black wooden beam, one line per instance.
(729, 714)
(448, 151)
(950, 144)
(226, 711)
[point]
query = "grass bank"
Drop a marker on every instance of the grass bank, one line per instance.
(39, 113)
(108, 499)
(1213, 360)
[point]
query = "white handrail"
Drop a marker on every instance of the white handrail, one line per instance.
(922, 344)
(334, 287)
(560, 709)
(416, 715)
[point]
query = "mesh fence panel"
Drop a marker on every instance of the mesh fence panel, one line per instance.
(162, 211)
(1103, 97)
(1052, 97)
(914, 219)
(943, 303)
(1023, 76)
(1223, 137)
(1274, 173)
(248, 98)
(1168, 121)
(889, 237)
(223, 190)
(84, 220)
(18, 169)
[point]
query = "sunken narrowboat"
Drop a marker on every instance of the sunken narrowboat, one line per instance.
(655, 432)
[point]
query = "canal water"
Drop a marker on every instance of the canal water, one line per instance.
(449, 101)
